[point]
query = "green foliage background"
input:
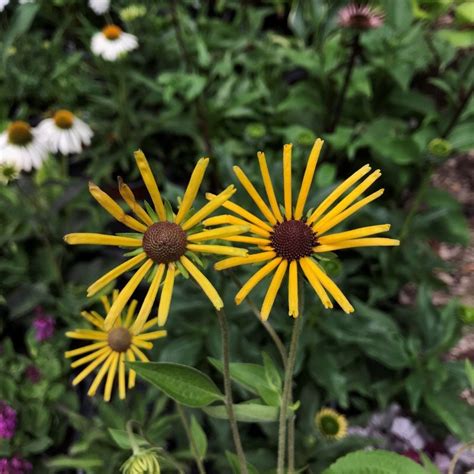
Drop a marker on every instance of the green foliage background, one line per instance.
(225, 79)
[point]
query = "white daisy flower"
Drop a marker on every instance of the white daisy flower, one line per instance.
(65, 133)
(112, 42)
(99, 6)
(3, 4)
(8, 172)
(21, 146)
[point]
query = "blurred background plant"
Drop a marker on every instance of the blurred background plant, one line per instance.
(390, 85)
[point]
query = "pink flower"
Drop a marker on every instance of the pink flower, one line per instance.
(361, 17)
(7, 421)
(43, 325)
(15, 465)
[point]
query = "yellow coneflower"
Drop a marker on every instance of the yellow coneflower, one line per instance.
(164, 243)
(111, 348)
(331, 424)
(289, 239)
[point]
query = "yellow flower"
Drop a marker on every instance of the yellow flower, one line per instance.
(331, 424)
(288, 239)
(111, 348)
(164, 243)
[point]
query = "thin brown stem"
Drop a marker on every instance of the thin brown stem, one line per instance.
(355, 51)
(457, 455)
(229, 403)
(191, 440)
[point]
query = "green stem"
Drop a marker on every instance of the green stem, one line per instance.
(131, 437)
(229, 403)
(191, 439)
(286, 397)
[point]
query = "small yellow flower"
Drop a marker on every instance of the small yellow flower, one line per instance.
(112, 348)
(289, 239)
(163, 244)
(331, 424)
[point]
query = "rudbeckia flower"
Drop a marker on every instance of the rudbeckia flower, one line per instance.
(110, 348)
(22, 147)
(65, 133)
(163, 243)
(289, 239)
(112, 42)
(331, 424)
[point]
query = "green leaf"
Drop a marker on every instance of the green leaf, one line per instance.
(235, 464)
(182, 383)
(122, 439)
(64, 462)
(20, 24)
(200, 437)
(246, 412)
(469, 368)
(251, 376)
(272, 374)
(465, 13)
(452, 411)
(430, 468)
(374, 462)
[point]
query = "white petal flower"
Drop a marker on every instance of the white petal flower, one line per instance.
(3, 4)
(112, 42)
(65, 133)
(99, 6)
(21, 147)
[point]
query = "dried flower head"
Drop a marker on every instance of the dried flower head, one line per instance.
(360, 17)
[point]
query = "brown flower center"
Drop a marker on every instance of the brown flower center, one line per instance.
(112, 32)
(293, 240)
(360, 20)
(63, 119)
(19, 133)
(164, 242)
(119, 339)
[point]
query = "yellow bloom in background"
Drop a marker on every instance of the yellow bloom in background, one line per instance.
(164, 244)
(331, 424)
(111, 348)
(288, 239)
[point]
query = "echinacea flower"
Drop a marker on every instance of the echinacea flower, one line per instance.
(360, 17)
(331, 424)
(163, 244)
(112, 42)
(289, 239)
(7, 421)
(111, 348)
(43, 325)
(65, 133)
(99, 6)
(21, 146)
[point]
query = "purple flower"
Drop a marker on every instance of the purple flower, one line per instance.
(361, 17)
(7, 421)
(15, 465)
(33, 374)
(43, 325)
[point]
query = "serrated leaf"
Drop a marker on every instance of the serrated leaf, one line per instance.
(182, 383)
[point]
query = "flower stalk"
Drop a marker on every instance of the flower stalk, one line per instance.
(287, 393)
(229, 403)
